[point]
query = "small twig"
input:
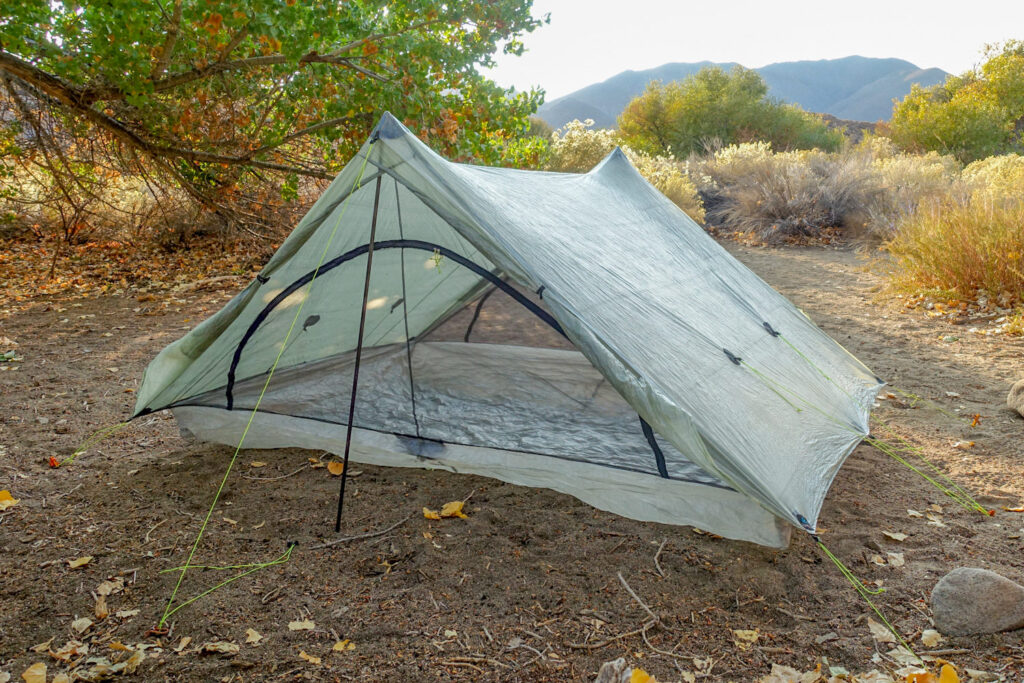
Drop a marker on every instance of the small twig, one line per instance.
(636, 597)
(609, 641)
(61, 495)
(657, 565)
(358, 537)
(950, 651)
(477, 660)
(663, 652)
(466, 499)
(799, 617)
(283, 476)
(152, 529)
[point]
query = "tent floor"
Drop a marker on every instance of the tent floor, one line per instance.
(532, 416)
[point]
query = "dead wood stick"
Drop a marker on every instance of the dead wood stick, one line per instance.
(636, 597)
(152, 529)
(949, 651)
(663, 652)
(657, 565)
(283, 476)
(358, 537)
(799, 617)
(609, 641)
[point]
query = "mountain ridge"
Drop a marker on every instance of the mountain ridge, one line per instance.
(854, 88)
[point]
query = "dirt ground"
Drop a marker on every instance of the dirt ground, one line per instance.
(527, 588)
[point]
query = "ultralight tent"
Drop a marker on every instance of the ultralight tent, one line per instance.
(696, 394)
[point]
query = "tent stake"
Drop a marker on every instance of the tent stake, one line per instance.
(359, 354)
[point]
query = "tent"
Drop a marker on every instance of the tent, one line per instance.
(694, 393)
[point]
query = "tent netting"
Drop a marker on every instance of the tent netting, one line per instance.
(650, 413)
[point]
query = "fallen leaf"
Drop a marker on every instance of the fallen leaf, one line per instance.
(1019, 508)
(921, 677)
(344, 645)
(641, 676)
(930, 637)
(947, 674)
(305, 625)
(80, 562)
(335, 467)
(35, 673)
(786, 674)
(260, 525)
(895, 559)
(110, 587)
(431, 514)
(119, 646)
(252, 637)
(878, 559)
(687, 676)
(451, 633)
(257, 463)
(130, 665)
(895, 535)
(81, 625)
(454, 509)
(935, 520)
(59, 678)
(316, 464)
(880, 633)
(7, 500)
(42, 647)
(309, 658)
(232, 522)
(126, 613)
(744, 640)
(963, 445)
(981, 676)
(221, 647)
(101, 611)
(183, 643)
(914, 513)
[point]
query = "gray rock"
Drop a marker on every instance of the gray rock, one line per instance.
(969, 600)
(614, 671)
(1015, 399)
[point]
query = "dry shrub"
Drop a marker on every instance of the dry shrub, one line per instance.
(787, 195)
(999, 176)
(579, 148)
(973, 247)
(906, 181)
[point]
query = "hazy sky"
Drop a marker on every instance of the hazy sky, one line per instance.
(589, 40)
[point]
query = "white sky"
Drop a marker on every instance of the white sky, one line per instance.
(590, 40)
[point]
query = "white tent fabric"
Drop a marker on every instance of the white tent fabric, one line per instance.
(753, 408)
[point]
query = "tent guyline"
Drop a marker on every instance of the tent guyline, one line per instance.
(170, 608)
(647, 298)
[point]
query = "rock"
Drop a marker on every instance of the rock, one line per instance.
(969, 600)
(614, 671)
(1015, 399)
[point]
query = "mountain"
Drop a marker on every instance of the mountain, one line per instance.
(854, 88)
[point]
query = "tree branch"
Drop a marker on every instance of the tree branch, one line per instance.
(168, 49)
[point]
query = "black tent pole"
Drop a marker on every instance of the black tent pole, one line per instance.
(359, 353)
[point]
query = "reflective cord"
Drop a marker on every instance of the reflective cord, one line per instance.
(94, 438)
(768, 382)
(254, 568)
(812, 364)
(865, 593)
(168, 611)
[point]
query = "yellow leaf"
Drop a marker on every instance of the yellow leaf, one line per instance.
(42, 647)
(315, 464)
(304, 625)
(183, 643)
(745, 639)
(61, 678)
(947, 674)
(453, 509)
(35, 673)
(335, 467)
(431, 514)
(641, 676)
(930, 637)
(343, 645)
(220, 647)
(963, 445)
(1019, 508)
(257, 463)
(309, 658)
(7, 501)
(80, 562)
(101, 610)
(81, 625)
(922, 677)
(252, 637)
(119, 646)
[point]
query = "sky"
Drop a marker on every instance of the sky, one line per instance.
(588, 41)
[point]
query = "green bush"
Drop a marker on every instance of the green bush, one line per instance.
(715, 107)
(971, 116)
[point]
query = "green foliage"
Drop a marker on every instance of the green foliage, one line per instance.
(715, 107)
(971, 116)
(578, 148)
(218, 95)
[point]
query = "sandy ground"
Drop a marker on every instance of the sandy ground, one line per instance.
(526, 588)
